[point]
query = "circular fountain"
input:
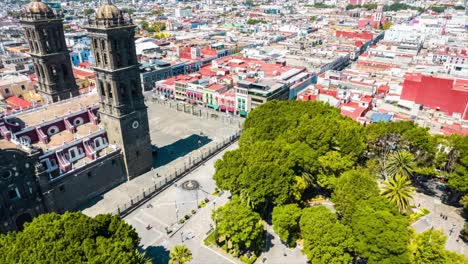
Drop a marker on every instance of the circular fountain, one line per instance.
(190, 185)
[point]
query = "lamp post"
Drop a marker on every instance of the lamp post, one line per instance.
(176, 211)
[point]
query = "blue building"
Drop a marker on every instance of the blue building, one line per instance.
(80, 53)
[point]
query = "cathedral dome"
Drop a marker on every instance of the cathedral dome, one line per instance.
(108, 11)
(38, 7)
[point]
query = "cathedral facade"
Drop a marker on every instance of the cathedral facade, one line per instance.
(61, 155)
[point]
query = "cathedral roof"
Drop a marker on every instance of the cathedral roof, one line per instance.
(108, 11)
(37, 7)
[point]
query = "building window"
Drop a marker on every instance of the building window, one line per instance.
(138, 153)
(7, 91)
(90, 174)
(113, 162)
(23, 87)
(62, 188)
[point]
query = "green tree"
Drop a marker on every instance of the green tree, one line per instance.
(286, 222)
(464, 232)
(400, 163)
(385, 137)
(387, 25)
(88, 11)
(351, 187)
(398, 190)
(464, 203)
(332, 164)
(326, 240)
(157, 12)
(239, 225)
(180, 254)
(253, 21)
(382, 234)
(457, 164)
(129, 11)
(284, 141)
(72, 238)
(429, 247)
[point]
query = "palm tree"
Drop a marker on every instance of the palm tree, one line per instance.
(400, 163)
(142, 258)
(308, 178)
(180, 254)
(398, 190)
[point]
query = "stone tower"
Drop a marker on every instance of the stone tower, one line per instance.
(44, 33)
(122, 108)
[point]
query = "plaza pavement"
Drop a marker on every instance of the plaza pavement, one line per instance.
(162, 213)
(451, 227)
(180, 138)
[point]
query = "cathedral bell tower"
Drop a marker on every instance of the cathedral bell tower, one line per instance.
(122, 108)
(44, 33)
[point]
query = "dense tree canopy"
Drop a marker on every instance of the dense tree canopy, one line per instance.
(326, 240)
(351, 187)
(293, 150)
(382, 234)
(457, 163)
(238, 224)
(286, 222)
(282, 141)
(72, 238)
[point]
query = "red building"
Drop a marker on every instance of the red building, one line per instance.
(446, 95)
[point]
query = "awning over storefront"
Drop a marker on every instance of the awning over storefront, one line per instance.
(243, 113)
(222, 107)
(230, 109)
(214, 106)
(199, 96)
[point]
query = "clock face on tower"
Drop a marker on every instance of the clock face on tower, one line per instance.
(135, 124)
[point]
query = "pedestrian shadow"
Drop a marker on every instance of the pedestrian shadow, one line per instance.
(157, 254)
(179, 149)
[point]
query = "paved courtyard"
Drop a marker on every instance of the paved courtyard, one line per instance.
(451, 227)
(174, 203)
(180, 139)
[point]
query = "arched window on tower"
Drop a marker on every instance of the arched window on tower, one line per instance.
(101, 88)
(103, 44)
(41, 70)
(98, 58)
(34, 47)
(109, 90)
(105, 59)
(95, 43)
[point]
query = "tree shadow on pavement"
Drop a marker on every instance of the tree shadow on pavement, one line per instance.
(179, 149)
(268, 242)
(158, 254)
